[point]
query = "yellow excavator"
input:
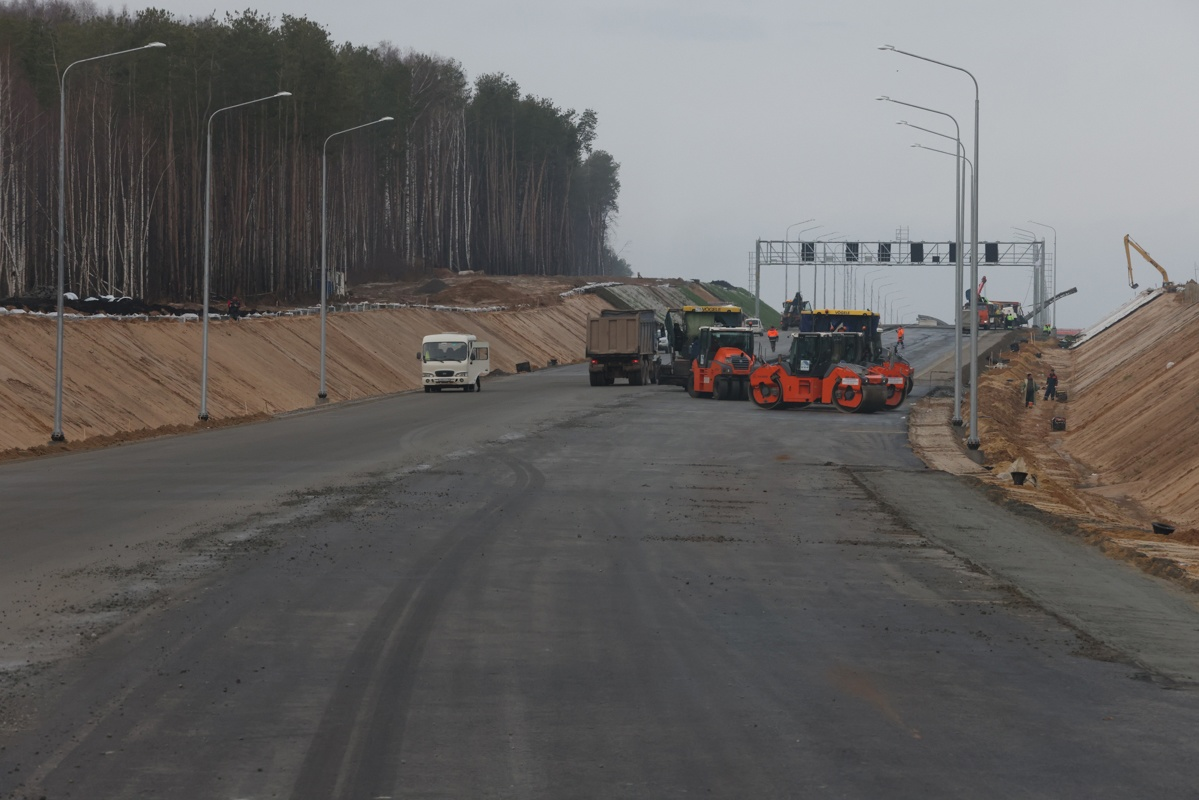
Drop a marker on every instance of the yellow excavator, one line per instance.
(1129, 243)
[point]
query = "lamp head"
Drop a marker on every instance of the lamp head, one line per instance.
(152, 44)
(386, 119)
(282, 94)
(887, 47)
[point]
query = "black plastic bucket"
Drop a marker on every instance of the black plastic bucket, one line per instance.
(1163, 528)
(1018, 478)
(1058, 423)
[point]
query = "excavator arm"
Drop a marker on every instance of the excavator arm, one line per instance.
(1021, 319)
(1129, 243)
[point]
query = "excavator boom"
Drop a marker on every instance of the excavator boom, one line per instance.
(1024, 317)
(1130, 243)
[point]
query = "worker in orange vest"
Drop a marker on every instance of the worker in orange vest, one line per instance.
(773, 336)
(899, 340)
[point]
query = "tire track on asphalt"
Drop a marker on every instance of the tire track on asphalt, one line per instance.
(356, 748)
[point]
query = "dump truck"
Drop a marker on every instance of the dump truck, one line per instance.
(682, 333)
(622, 344)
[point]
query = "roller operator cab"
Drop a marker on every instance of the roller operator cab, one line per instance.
(722, 360)
(454, 361)
(682, 327)
(895, 369)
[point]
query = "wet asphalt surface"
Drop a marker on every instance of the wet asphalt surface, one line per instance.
(552, 590)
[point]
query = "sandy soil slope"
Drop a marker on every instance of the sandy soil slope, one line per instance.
(1129, 456)
(127, 379)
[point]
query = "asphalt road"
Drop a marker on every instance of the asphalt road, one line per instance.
(553, 590)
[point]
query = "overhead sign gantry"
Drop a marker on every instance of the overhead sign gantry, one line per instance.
(898, 253)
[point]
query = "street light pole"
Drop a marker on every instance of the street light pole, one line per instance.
(799, 266)
(864, 277)
(322, 394)
(1053, 289)
(57, 435)
(884, 286)
(957, 267)
(786, 238)
(207, 245)
(957, 339)
(972, 441)
(1038, 272)
(887, 303)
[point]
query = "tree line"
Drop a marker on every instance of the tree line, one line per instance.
(467, 177)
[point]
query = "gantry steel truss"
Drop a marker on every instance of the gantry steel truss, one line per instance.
(840, 253)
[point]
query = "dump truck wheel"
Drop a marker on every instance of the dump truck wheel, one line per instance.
(635, 380)
(597, 378)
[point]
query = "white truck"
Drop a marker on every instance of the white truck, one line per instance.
(454, 361)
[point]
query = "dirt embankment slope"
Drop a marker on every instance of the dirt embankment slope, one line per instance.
(1136, 389)
(1129, 456)
(127, 379)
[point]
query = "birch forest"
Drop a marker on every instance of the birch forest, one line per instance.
(468, 176)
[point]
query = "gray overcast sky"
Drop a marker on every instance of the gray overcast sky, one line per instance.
(732, 121)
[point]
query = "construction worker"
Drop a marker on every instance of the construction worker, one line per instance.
(1048, 329)
(773, 336)
(1051, 386)
(234, 308)
(1030, 391)
(899, 338)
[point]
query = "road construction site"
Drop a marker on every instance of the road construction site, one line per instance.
(129, 379)
(554, 588)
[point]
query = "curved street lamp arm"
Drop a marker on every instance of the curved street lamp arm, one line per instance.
(322, 393)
